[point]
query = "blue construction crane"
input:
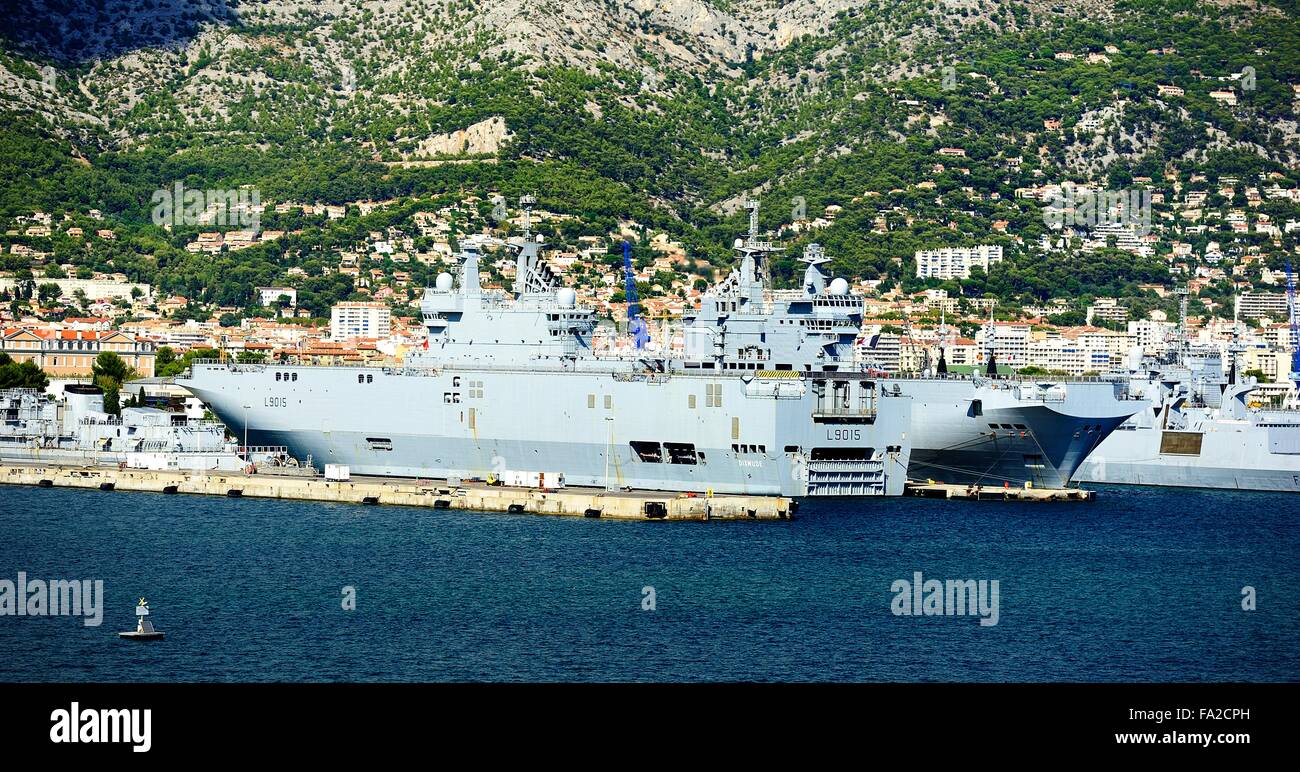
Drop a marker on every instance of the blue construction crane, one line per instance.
(636, 326)
(1295, 327)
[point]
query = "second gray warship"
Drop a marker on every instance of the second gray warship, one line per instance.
(1198, 427)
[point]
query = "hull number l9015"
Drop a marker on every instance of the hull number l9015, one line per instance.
(844, 435)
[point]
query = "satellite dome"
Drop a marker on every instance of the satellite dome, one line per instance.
(566, 297)
(740, 243)
(839, 287)
(443, 282)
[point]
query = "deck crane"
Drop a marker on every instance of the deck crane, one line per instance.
(636, 326)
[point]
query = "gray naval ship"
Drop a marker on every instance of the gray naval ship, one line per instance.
(511, 382)
(765, 398)
(978, 429)
(1197, 429)
(77, 430)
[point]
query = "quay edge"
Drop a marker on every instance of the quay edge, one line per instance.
(573, 502)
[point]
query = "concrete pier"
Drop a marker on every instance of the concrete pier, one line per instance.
(433, 494)
(933, 490)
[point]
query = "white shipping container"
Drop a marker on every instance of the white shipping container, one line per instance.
(519, 479)
(337, 473)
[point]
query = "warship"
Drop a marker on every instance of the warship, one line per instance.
(77, 430)
(972, 429)
(765, 397)
(1198, 427)
(511, 382)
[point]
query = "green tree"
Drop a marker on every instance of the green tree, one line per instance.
(110, 372)
(48, 293)
(112, 404)
(25, 375)
(111, 367)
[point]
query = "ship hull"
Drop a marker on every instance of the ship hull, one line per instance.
(997, 433)
(642, 431)
(1237, 458)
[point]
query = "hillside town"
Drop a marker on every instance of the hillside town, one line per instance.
(1211, 234)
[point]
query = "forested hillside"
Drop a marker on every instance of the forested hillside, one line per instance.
(666, 114)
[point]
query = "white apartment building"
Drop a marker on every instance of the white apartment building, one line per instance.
(94, 288)
(1066, 356)
(878, 349)
(1259, 304)
(1152, 336)
(268, 296)
(1010, 342)
(955, 262)
(1108, 309)
(360, 320)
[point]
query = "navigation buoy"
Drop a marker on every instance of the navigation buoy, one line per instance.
(144, 630)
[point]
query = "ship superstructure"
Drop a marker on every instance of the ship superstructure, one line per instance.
(77, 430)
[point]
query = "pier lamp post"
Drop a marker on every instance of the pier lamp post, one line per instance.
(246, 454)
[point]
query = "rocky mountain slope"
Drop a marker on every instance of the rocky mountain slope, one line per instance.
(675, 106)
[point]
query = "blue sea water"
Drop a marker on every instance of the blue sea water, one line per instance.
(1142, 585)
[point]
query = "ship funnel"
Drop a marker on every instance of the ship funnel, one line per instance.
(80, 401)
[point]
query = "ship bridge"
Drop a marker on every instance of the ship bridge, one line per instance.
(541, 319)
(743, 324)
